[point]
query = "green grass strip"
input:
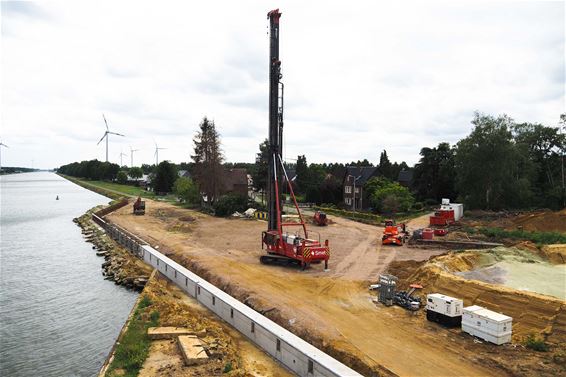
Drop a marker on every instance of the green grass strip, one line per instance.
(133, 347)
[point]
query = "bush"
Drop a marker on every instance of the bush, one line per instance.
(145, 302)
(187, 191)
(418, 206)
(536, 344)
(227, 367)
(230, 203)
(122, 177)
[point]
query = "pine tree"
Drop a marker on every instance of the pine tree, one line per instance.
(208, 160)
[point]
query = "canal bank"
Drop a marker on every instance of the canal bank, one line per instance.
(58, 317)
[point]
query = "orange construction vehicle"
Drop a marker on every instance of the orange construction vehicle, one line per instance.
(394, 234)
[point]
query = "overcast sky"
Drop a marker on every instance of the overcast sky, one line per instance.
(359, 77)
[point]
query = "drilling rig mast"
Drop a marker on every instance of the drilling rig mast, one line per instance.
(283, 247)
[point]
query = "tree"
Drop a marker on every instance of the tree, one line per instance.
(302, 171)
(136, 172)
(122, 177)
(165, 177)
(187, 191)
(388, 196)
(539, 156)
(208, 160)
(259, 176)
(434, 174)
(488, 175)
(385, 166)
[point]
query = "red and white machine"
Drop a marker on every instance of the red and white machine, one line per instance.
(282, 245)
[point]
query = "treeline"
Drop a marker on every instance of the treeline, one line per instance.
(93, 169)
(15, 169)
(501, 164)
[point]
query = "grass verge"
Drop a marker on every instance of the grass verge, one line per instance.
(133, 347)
(539, 238)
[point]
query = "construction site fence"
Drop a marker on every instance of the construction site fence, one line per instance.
(350, 214)
(293, 352)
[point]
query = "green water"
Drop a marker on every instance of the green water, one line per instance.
(520, 269)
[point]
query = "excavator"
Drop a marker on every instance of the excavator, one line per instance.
(281, 243)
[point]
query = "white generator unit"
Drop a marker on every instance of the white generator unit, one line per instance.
(458, 208)
(486, 324)
(443, 309)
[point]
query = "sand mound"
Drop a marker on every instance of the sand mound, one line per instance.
(555, 253)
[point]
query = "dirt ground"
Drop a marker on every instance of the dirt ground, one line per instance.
(540, 221)
(333, 310)
(225, 345)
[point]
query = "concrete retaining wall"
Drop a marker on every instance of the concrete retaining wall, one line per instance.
(293, 352)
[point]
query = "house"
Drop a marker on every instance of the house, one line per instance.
(235, 181)
(184, 174)
(405, 178)
(354, 181)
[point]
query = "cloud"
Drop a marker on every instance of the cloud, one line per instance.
(357, 79)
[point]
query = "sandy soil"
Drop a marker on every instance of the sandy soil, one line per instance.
(334, 309)
(178, 309)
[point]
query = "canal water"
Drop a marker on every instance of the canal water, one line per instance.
(58, 317)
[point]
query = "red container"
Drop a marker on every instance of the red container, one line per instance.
(440, 232)
(428, 234)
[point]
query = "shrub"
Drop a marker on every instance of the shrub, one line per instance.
(418, 206)
(122, 177)
(187, 190)
(536, 344)
(227, 367)
(230, 203)
(145, 302)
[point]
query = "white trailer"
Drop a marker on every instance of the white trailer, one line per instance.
(486, 324)
(444, 309)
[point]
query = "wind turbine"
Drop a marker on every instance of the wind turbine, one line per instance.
(5, 146)
(132, 156)
(108, 132)
(157, 153)
(122, 154)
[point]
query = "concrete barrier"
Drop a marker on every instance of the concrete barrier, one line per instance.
(296, 354)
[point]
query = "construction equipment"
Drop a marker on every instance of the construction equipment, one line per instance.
(388, 295)
(283, 246)
(139, 206)
(394, 234)
(320, 218)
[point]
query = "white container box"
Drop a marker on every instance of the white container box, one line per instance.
(444, 309)
(486, 324)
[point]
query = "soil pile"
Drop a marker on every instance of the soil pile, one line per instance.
(545, 221)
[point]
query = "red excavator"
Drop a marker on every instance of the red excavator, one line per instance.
(283, 246)
(394, 234)
(320, 218)
(139, 206)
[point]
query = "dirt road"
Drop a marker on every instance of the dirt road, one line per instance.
(333, 306)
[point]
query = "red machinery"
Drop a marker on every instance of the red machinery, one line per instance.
(139, 206)
(283, 246)
(393, 234)
(442, 217)
(320, 218)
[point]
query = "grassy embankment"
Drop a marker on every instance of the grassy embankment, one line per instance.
(133, 347)
(539, 238)
(117, 191)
